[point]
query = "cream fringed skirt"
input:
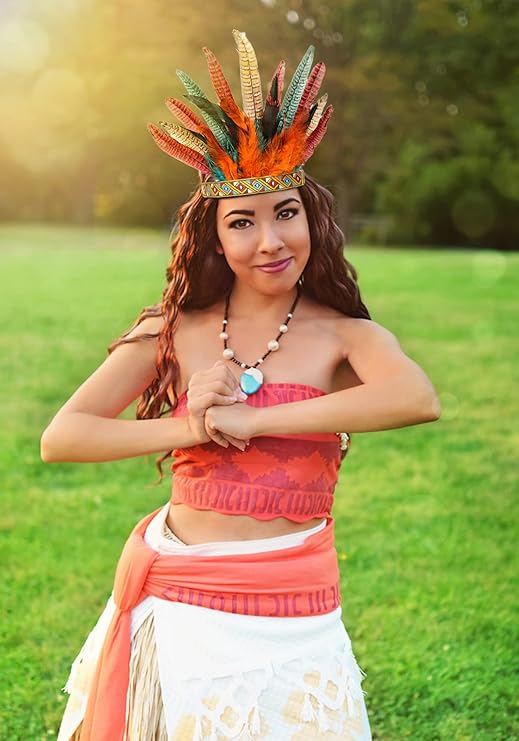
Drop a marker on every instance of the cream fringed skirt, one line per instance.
(198, 674)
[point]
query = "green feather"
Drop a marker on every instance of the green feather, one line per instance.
(211, 164)
(211, 113)
(258, 123)
(295, 90)
(215, 118)
(191, 87)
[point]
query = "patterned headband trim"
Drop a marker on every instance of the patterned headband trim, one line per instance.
(233, 147)
(253, 186)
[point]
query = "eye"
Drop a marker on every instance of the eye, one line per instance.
(288, 213)
(239, 224)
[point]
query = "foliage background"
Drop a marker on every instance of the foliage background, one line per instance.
(422, 148)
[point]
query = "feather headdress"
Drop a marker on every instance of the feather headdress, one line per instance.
(259, 148)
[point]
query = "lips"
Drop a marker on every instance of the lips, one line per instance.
(274, 264)
(276, 267)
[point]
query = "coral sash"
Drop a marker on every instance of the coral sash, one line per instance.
(302, 580)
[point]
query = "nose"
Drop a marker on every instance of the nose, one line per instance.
(270, 240)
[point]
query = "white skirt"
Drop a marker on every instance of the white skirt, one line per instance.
(198, 674)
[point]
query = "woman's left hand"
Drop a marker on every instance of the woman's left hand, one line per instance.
(236, 420)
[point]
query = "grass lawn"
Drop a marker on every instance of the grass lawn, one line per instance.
(424, 515)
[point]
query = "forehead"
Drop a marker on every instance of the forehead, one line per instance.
(261, 203)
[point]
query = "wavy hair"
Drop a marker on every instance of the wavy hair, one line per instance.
(198, 277)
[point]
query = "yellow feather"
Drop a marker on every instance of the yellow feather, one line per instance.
(185, 137)
(321, 105)
(249, 76)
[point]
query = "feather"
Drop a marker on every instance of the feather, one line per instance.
(276, 85)
(249, 151)
(178, 151)
(269, 121)
(249, 76)
(262, 140)
(215, 169)
(191, 120)
(191, 87)
(235, 115)
(220, 84)
(210, 112)
(185, 115)
(285, 150)
(316, 116)
(312, 86)
(185, 137)
(316, 135)
(215, 119)
(295, 90)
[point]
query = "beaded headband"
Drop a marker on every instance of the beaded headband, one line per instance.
(260, 149)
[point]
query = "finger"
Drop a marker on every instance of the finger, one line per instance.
(217, 436)
(199, 405)
(227, 374)
(216, 386)
(237, 442)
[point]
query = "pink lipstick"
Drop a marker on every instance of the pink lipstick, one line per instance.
(276, 267)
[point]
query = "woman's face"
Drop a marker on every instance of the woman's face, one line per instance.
(254, 231)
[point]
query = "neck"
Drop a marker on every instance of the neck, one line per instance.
(253, 306)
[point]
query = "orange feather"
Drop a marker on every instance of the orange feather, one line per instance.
(185, 115)
(178, 151)
(220, 84)
(315, 137)
(285, 150)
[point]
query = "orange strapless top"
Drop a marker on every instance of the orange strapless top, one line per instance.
(292, 476)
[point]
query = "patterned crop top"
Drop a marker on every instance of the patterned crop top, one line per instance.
(292, 476)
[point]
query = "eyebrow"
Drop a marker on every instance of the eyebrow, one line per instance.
(245, 212)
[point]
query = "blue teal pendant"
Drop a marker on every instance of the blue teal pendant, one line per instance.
(251, 380)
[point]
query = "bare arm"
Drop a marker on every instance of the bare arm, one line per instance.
(395, 392)
(85, 429)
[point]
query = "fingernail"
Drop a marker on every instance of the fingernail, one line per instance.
(242, 396)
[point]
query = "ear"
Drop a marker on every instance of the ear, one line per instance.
(219, 248)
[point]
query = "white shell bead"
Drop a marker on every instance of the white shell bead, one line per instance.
(228, 353)
(283, 328)
(273, 345)
(224, 336)
(260, 360)
(243, 365)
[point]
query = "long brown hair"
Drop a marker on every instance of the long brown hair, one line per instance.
(198, 277)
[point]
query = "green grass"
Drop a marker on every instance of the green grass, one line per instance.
(424, 518)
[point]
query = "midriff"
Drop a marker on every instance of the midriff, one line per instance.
(194, 526)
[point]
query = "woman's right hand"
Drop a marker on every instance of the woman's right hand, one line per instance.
(217, 385)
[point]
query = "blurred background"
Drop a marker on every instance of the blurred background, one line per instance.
(422, 148)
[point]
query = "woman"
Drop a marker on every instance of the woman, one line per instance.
(225, 620)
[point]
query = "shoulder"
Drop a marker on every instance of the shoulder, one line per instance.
(356, 332)
(151, 325)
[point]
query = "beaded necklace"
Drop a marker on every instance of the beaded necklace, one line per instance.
(251, 379)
